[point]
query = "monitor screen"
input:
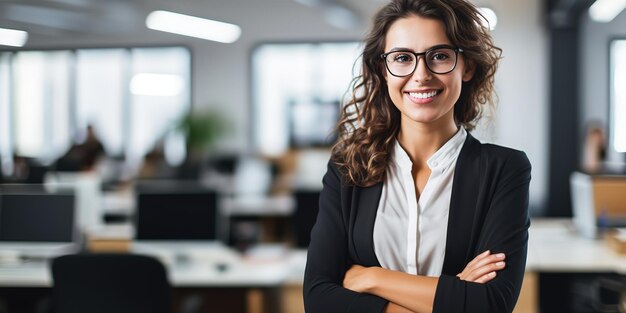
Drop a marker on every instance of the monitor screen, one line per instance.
(176, 215)
(312, 123)
(36, 217)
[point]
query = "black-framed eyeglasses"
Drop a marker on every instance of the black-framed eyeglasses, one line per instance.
(439, 60)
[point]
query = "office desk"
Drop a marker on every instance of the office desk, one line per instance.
(554, 246)
(254, 219)
(279, 205)
(562, 268)
(227, 290)
(246, 274)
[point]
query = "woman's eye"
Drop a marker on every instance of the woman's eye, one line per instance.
(440, 55)
(403, 58)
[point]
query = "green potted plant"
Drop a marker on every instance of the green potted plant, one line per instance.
(201, 131)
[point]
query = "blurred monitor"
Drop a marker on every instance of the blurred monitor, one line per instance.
(584, 217)
(178, 213)
(87, 190)
(305, 215)
(37, 224)
(313, 122)
(597, 202)
(175, 217)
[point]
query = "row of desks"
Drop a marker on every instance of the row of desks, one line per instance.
(554, 247)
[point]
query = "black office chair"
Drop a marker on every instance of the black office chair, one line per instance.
(307, 206)
(109, 283)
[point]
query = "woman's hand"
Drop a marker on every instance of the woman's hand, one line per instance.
(362, 279)
(483, 267)
(359, 278)
(405, 292)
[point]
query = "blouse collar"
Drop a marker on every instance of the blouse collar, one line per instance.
(443, 158)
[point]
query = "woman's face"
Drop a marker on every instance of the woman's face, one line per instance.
(424, 97)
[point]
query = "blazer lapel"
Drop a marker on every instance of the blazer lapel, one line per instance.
(365, 206)
(462, 207)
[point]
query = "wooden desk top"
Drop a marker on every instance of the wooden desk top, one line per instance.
(554, 246)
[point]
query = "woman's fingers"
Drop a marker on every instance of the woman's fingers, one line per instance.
(473, 263)
(483, 267)
(491, 259)
(485, 278)
(478, 258)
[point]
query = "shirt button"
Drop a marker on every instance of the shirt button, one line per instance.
(435, 164)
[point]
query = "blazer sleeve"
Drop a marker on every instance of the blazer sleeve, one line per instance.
(505, 229)
(328, 259)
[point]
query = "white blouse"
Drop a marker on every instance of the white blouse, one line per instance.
(410, 235)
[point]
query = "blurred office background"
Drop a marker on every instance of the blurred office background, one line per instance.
(251, 116)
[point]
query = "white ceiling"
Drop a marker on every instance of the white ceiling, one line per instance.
(102, 17)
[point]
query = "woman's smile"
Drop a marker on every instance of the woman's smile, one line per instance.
(423, 96)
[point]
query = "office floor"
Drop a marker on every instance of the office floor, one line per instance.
(291, 300)
(528, 298)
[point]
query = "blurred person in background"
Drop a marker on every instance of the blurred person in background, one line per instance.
(416, 215)
(154, 165)
(84, 156)
(594, 153)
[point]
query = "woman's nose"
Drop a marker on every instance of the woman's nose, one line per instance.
(422, 73)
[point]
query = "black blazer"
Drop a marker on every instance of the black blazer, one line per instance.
(488, 211)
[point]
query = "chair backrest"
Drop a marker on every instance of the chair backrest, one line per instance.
(110, 283)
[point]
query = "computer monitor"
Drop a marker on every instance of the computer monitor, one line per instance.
(176, 221)
(312, 123)
(37, 224)
(180, 212)
(87, 191)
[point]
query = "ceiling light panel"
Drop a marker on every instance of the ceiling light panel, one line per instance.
(192, 26)
(13, 37)
(605, 11)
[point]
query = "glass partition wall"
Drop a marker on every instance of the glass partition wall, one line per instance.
(618, 95)
(296, 93)
(132, 97)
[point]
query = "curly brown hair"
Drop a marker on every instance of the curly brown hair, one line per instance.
(370, 122)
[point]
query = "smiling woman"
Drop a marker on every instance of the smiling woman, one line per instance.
(416, 215)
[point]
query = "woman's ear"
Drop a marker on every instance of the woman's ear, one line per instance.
(468, 71)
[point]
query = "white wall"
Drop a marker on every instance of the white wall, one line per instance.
(221, 71)
(594, 78)
(521, 118)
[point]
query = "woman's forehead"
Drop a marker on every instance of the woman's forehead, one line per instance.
(415, 33)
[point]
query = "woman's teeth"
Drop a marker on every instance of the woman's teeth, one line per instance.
(423, 95)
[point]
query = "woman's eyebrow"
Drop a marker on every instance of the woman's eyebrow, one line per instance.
(431, 47)
(401, 49)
